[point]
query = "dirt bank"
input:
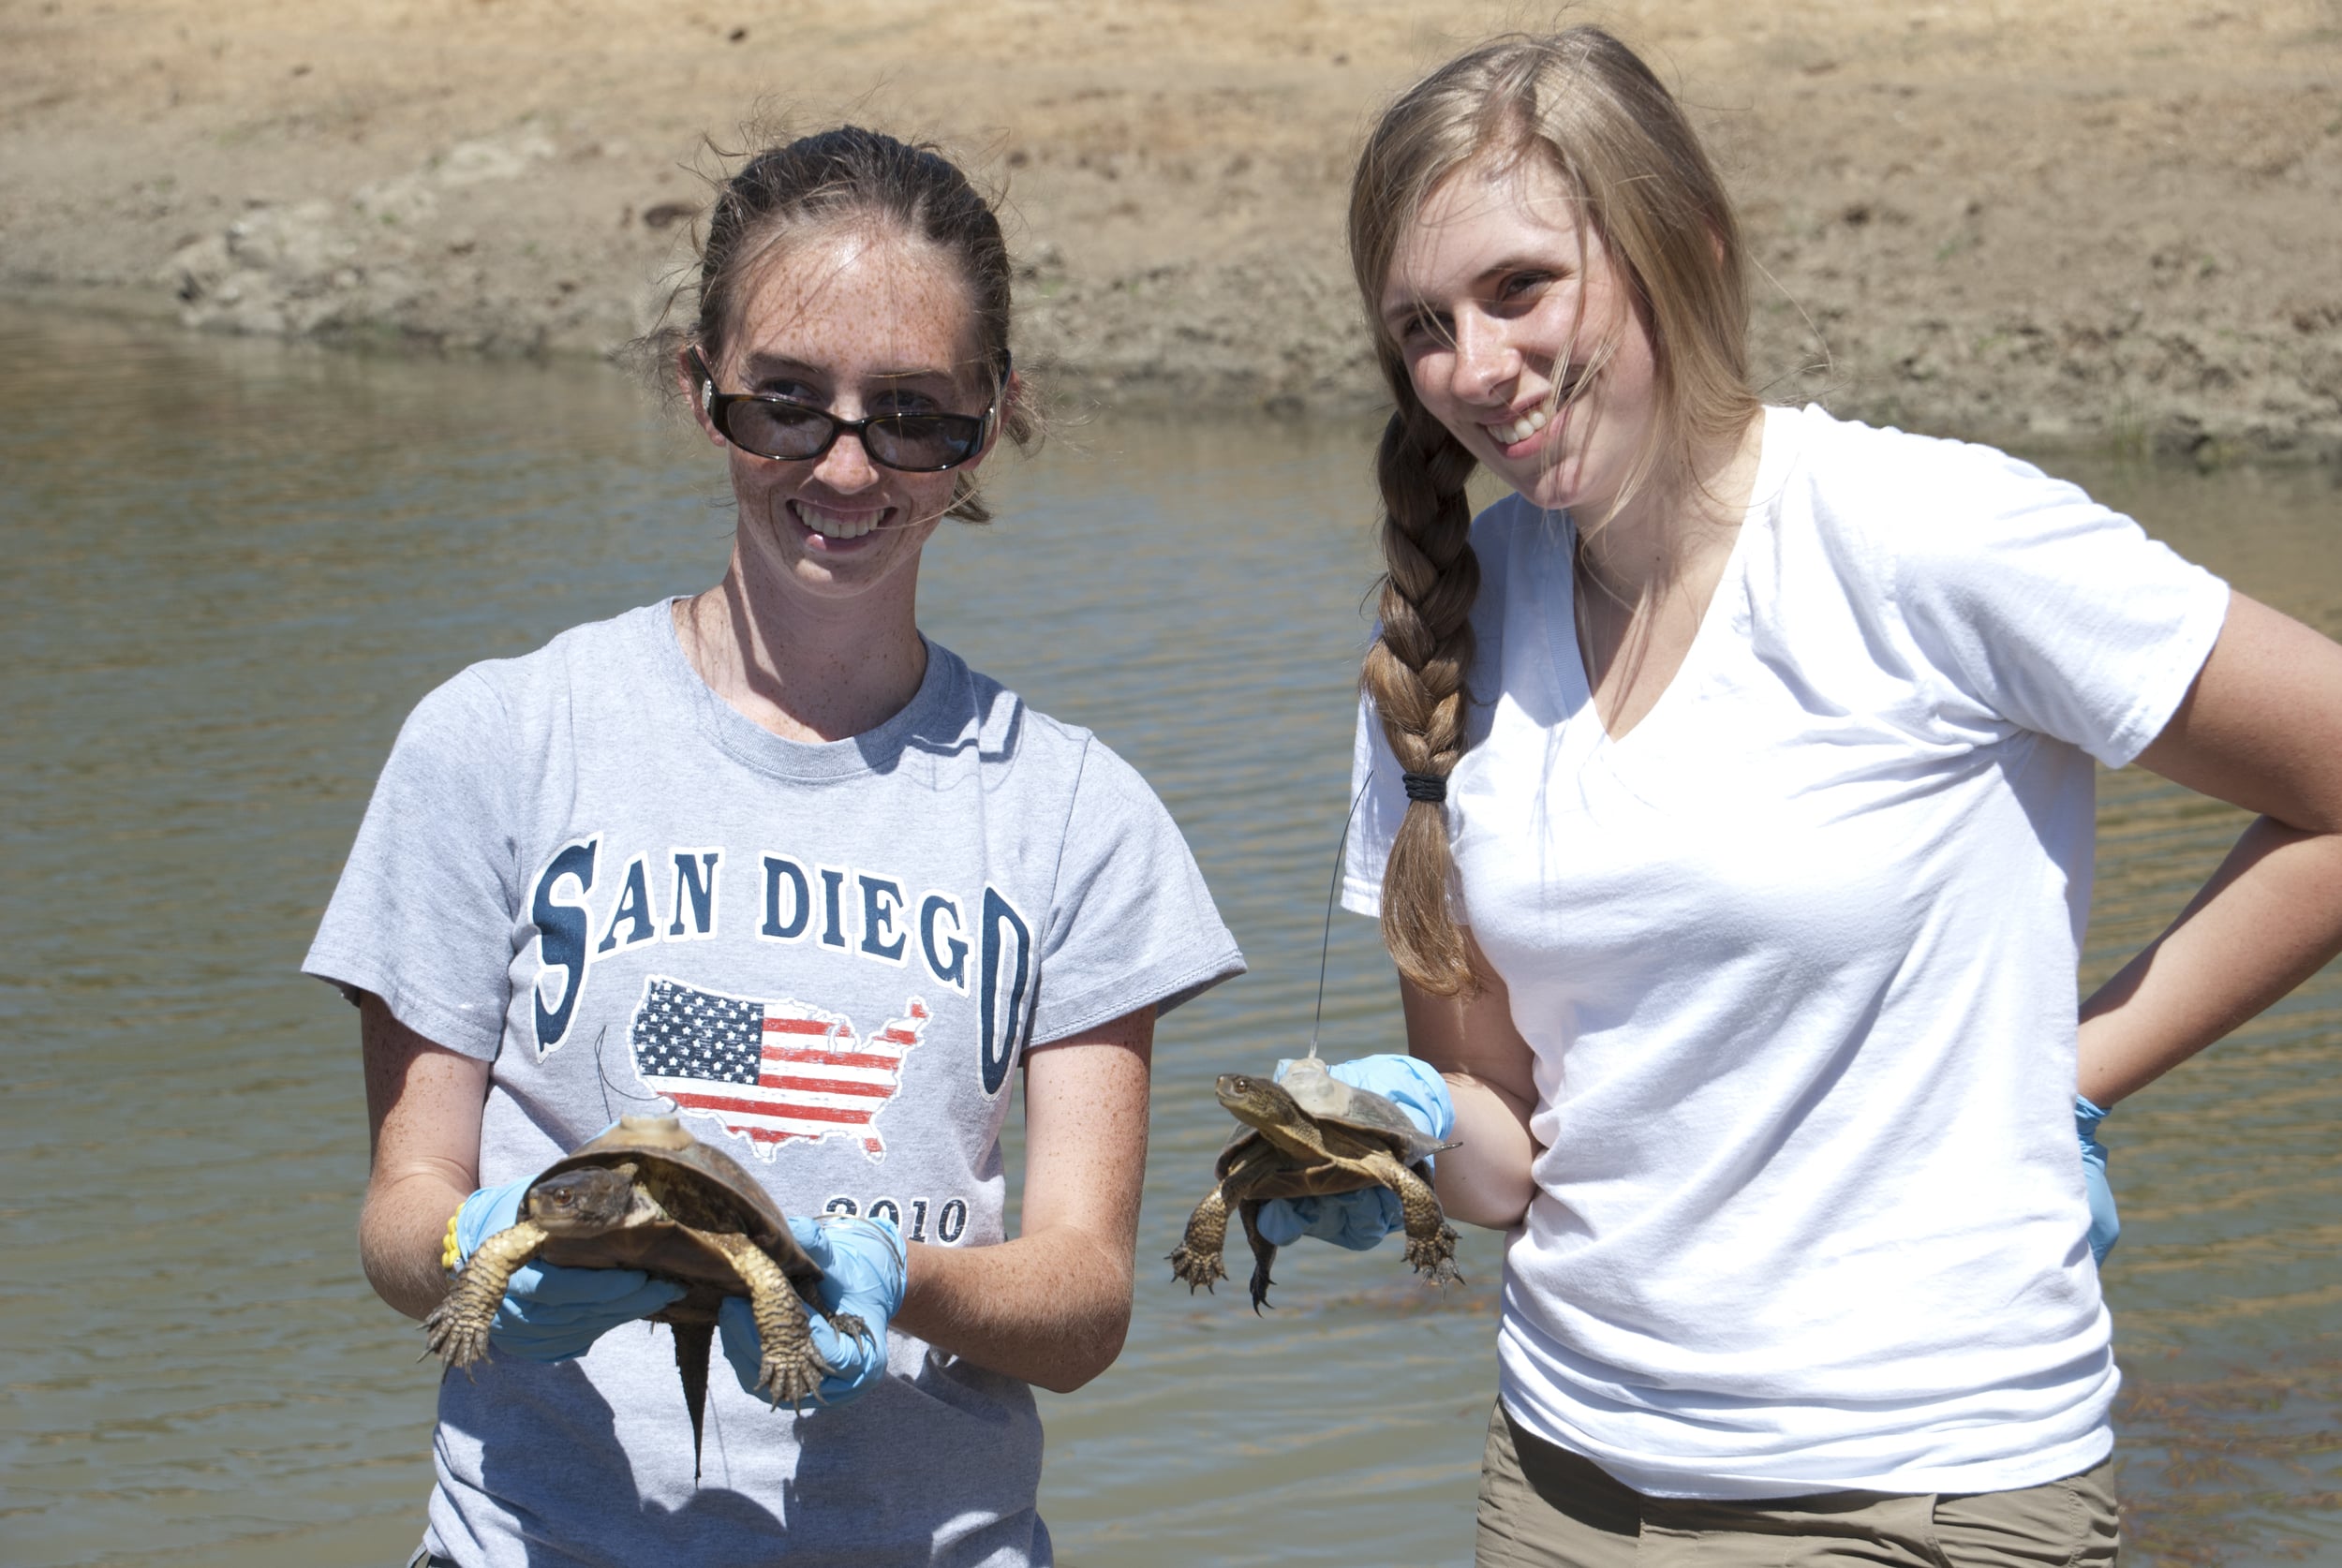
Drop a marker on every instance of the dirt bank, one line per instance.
(2067, 220)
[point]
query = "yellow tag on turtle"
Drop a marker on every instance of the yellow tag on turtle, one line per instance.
(450, 1256)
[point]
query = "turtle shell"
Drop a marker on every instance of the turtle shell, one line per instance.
(701, 1187)
(1327, 1098)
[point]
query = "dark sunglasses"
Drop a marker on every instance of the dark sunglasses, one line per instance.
(770, 425)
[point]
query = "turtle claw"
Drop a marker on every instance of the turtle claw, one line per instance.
(793, 1377)
(454, 1336)
(468, 1377)
(847, 1326)
(1195, 1269)
(795, 1382)
(1435, 1255)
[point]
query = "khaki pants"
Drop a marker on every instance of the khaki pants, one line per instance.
(1544, 1507)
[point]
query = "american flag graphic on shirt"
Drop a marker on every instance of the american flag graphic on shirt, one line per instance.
(773, 1070)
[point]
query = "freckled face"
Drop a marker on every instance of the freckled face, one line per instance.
(857, 323)
(1520, 334)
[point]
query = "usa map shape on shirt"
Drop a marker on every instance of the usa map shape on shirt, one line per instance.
(772, 1070)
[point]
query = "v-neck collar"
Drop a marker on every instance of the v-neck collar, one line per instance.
(1587, 731)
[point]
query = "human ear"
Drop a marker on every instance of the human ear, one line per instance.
(695, 394)
(1012, 392)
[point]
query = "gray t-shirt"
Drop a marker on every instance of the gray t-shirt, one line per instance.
(586, 867)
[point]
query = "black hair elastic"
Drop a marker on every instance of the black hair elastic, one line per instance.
(1425, 786)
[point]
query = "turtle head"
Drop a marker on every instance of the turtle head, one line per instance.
(589, 1199)
(1256, 1102)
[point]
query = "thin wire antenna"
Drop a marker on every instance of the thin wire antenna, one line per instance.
(601, 1071)
(1326, 945)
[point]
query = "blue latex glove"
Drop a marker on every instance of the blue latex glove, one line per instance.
(2106, 1226)
(551, 1313)
(864, 1268)
(1360, 1219)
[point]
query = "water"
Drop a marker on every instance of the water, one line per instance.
(231, 567)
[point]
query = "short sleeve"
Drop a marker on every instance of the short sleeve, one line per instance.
(1131, 922)
(423, 914)
(2053, 611)
(1379, 805)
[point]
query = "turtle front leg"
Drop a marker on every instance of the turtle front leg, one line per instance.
(458, 1325)
(1197, 1258)
(1264, 1250)
(792, 1370)
(1430, 1239)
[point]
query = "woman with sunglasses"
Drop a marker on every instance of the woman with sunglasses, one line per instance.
(1729, 812)
(767, 857)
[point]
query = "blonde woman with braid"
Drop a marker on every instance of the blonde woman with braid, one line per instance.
(1728, 813)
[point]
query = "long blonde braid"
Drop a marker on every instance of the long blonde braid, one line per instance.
(1415, 674)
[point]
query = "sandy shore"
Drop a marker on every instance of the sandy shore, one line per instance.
(2060, 221)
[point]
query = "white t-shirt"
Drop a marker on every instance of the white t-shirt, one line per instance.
(1796, 960)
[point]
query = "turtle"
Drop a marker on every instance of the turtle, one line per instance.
(1312, 1135)
(646, 1195)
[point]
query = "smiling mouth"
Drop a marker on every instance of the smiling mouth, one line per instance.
(832, 524)
(1519, 430)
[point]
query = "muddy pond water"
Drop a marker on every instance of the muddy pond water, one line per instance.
(230, 568)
